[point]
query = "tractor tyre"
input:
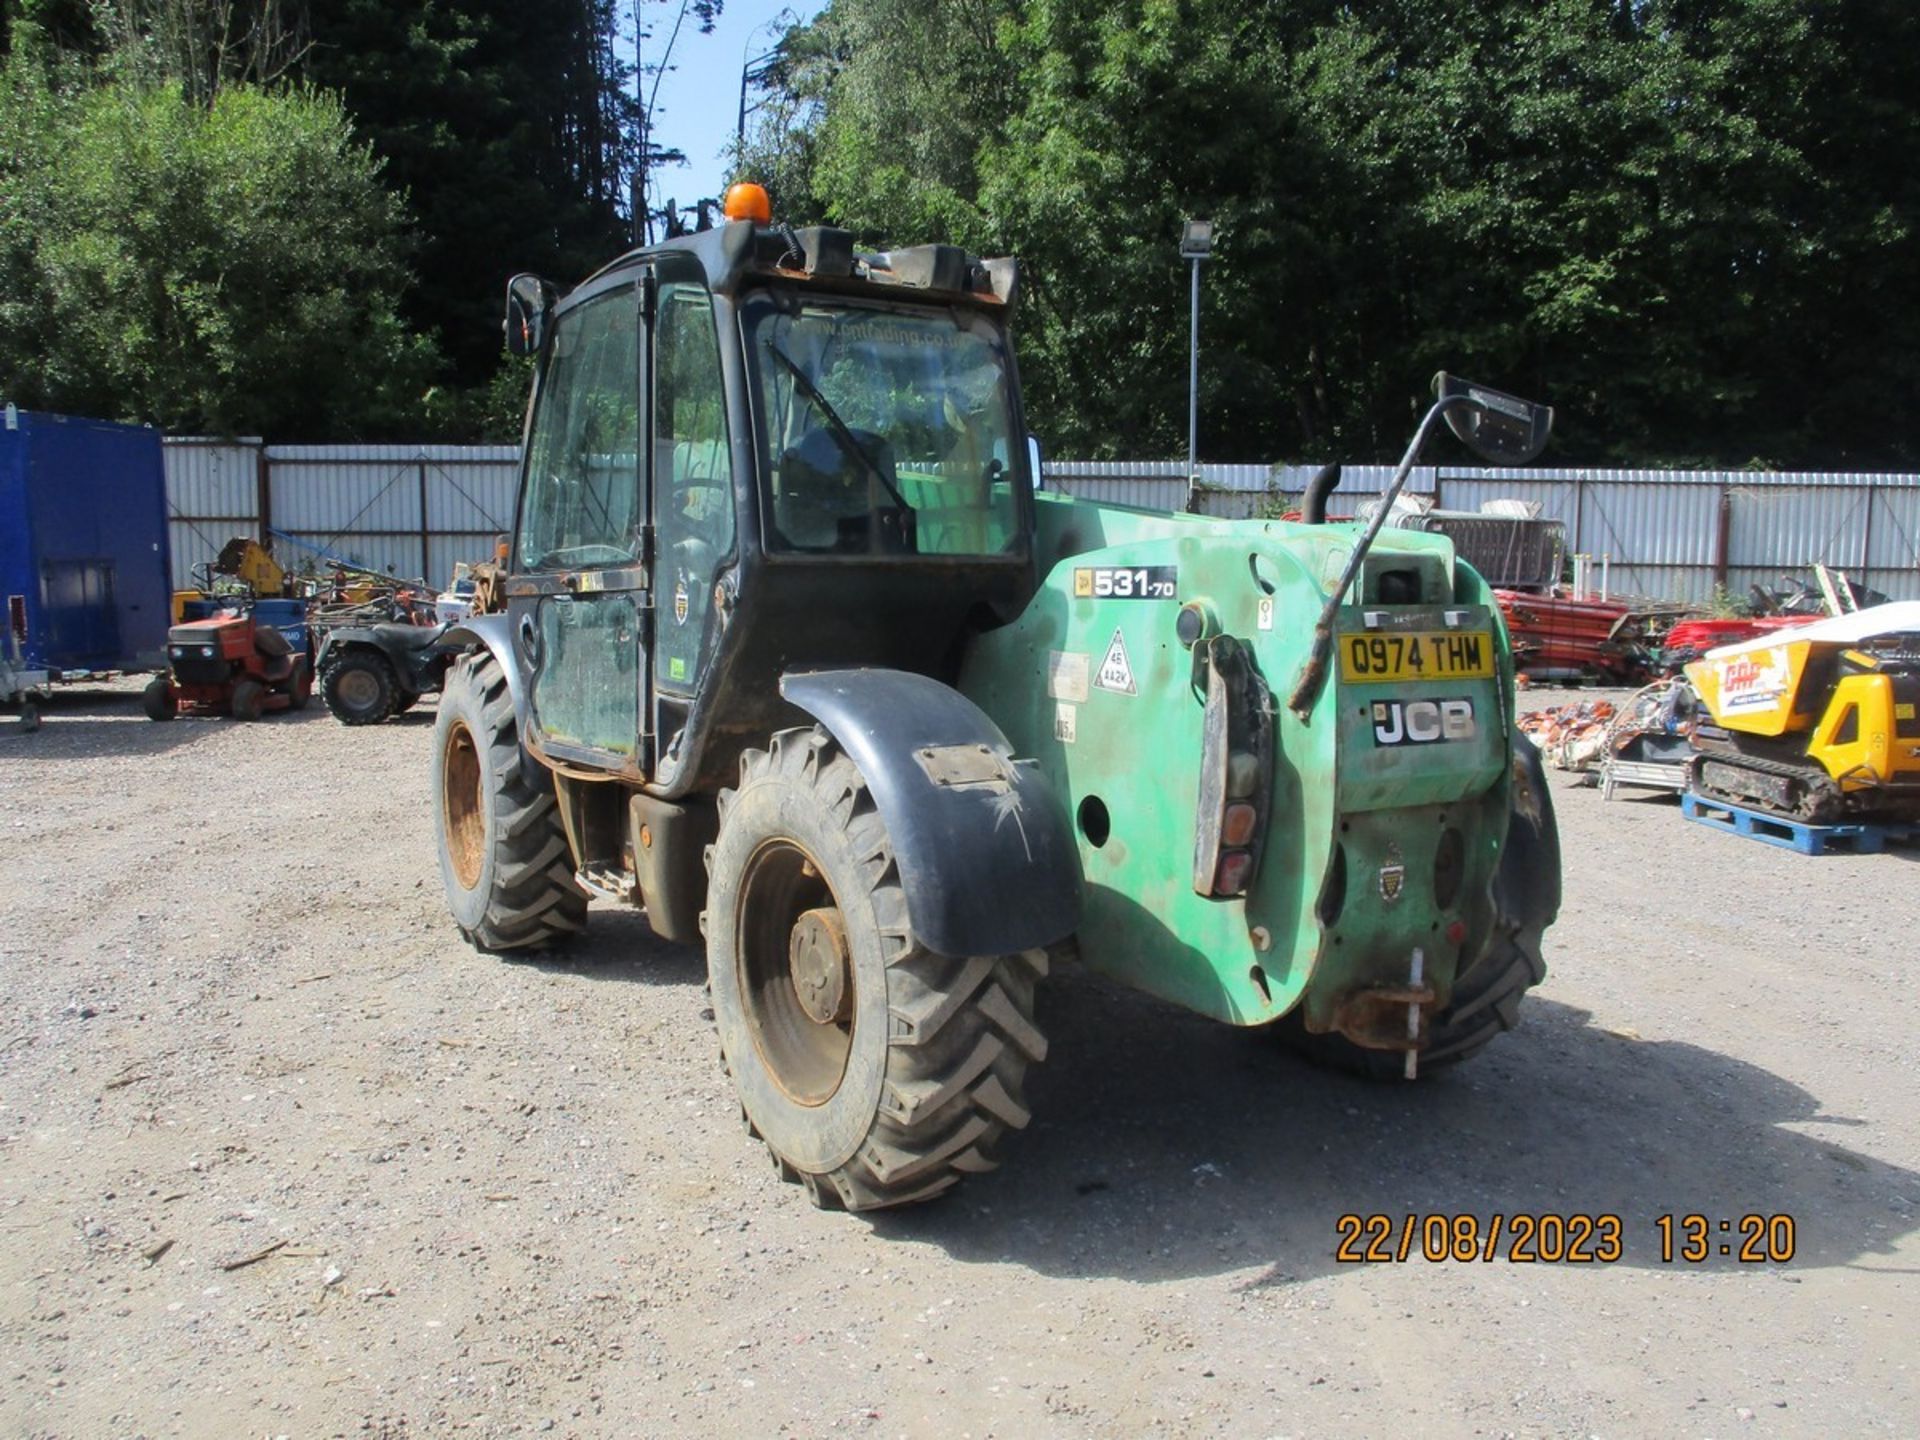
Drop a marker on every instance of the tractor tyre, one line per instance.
(1486, 996)
(300, 685)
(248, 700)
(358, 687)
(159, 700)
(876, 1072)
(504, 859)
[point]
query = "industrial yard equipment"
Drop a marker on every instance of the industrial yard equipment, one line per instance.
(235, 662)
(369, 673)
(796, 658)
(1819, 723)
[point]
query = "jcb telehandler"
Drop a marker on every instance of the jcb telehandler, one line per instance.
(797, 657)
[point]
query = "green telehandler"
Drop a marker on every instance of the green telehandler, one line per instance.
(800, 657)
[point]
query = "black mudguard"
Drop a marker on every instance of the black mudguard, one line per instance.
(983, 846)
(1526, 887)
(494, 633)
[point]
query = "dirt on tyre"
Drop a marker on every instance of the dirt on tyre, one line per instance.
(1486, 996)
(876, 1072)
(359, 687)
(503, 857)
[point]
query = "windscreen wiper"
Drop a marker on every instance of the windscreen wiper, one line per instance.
(842, 433)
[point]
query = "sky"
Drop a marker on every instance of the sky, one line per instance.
(699, 99)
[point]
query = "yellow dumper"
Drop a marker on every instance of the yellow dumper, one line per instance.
(1819, 724)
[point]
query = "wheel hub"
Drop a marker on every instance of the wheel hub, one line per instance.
(817, 953)
(358, 689)
(463, 806)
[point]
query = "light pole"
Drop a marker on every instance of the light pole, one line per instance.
(1196, 244)
(748, 75)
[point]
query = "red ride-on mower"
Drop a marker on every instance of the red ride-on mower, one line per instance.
(229, 665)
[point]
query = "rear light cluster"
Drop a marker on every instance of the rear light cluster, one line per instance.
(1235, 771)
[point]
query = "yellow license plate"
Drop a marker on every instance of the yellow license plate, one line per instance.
(1416, 655)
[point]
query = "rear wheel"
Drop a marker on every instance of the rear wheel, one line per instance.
(300, 685)
(876, 1072)
(249, 699)
(358, 687)
(159, 700)
(503, 857)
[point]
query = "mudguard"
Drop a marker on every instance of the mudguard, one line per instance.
(494, 633)
(1526, 887)
(981, 841)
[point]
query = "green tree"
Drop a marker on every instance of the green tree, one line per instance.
(229, 269)
(1685, 222)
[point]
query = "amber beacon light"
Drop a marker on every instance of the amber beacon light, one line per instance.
(747, 201)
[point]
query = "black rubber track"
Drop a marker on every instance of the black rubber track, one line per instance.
(960, 1034)
(530, 898)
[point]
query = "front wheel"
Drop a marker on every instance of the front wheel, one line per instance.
(503, 857)
(877, 1072)
(249, 700)
(159, 699)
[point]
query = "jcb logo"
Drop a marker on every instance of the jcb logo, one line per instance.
(1422, 722)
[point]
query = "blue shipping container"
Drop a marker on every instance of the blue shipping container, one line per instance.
(83, 542)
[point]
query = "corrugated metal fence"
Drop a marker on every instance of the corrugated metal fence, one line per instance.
(1666, 534)
(413, 510)
(405, 510)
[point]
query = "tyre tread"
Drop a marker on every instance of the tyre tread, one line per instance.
(961, 1031)
(535, 901)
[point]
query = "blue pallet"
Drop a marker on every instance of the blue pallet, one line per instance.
(1795, 835)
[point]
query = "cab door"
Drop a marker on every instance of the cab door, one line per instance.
(579, 598)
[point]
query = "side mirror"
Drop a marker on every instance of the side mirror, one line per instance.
(1033, 460)
(529, 307)
(1501, 429)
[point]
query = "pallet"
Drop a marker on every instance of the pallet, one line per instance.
(1796, 835)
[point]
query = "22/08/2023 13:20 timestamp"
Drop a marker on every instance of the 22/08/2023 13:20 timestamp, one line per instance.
(1554, 1239)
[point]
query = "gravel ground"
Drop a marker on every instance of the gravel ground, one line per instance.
(513, 1197)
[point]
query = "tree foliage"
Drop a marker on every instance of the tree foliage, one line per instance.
(1691, 224)
(219, 268)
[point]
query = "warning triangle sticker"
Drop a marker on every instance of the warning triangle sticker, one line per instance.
(1116, 673)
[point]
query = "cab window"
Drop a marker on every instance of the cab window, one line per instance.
(583, 496)
(693, 478)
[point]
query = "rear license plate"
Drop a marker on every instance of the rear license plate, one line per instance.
(1417, 655)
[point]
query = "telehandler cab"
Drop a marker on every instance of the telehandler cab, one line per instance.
(798, 657)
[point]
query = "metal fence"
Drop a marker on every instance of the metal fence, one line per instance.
(1664, 534)
(413, 510)
(405, 510)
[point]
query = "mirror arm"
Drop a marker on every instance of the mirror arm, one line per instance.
(1307, 688)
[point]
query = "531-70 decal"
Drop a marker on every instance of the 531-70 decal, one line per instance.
(1123, 582)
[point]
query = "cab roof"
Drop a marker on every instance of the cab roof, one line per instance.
(740, 254)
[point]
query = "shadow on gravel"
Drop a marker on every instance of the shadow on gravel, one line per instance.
(620, 946)
(89, 724)
(1165, 1146)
